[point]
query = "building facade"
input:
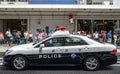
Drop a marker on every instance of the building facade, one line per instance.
(87, 15)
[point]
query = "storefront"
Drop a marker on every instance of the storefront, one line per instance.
(84, 17)
(96, 25)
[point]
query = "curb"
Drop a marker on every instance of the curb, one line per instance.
(118, 62)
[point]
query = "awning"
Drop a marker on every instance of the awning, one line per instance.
(78, 11)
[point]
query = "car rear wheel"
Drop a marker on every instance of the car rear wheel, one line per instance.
(19, 62)
(91, 63)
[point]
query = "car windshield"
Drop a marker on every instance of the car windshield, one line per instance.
(35, 43)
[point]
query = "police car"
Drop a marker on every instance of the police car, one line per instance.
(62, 49)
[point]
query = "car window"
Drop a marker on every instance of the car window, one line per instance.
(72, 41)
(54, 42)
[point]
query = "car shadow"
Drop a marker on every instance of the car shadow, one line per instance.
(57, 68)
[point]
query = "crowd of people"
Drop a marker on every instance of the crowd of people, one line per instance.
(19, 37)
(102, 36)
(15, 37)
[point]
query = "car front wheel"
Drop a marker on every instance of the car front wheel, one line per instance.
(91, 63)
(19, 62)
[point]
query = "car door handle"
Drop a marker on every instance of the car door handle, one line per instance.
(59, 49)
(79, 50)
(66, 50)
(53, 50)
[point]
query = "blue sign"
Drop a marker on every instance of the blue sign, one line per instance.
(52, 1)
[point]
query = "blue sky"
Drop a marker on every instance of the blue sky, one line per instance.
(52, 1)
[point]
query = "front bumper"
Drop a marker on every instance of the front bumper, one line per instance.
(7, 60)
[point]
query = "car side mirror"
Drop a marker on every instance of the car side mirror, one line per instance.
(41, 46)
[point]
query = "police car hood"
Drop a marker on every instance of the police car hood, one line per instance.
(22, 47)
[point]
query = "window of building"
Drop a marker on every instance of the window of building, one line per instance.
(89, 1)
(11, 0)
(98, 2)
(23, 0)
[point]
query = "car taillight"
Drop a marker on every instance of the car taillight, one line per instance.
(114, 51)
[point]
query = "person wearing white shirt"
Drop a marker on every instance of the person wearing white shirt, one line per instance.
(95, 36)
(9, 35)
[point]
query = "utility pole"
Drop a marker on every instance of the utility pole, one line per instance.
(92, 22)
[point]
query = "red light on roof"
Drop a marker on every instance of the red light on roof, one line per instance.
(62, 28)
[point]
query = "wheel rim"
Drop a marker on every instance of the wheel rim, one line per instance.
(19, 63)
(91, 63)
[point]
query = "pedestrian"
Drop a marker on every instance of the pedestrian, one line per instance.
(73, 32)
(95, 36)
(30, 37)
(37, 36)
(44, 35)
(40, 35)
(50, 33)
(118, 41)
(109, 35)
(14, 36)
(26, 36)
(8, 35)
(104, 36)
(100, 37)
(18, 37)
(115, 38)
(56, 29)
(1, 38)
(89, 35)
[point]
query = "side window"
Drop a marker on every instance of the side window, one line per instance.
(72, 41)
(58, 41)
(68, 41)
(54, 42)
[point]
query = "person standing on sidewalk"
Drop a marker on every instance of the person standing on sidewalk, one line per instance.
(30, 37)
(44, 35)
(96, 36)
(8, 35)
(104, 36)
(109, 35)
(26, 36)
(37, 36)
(18, 37)
(1, 38)
(115, 38)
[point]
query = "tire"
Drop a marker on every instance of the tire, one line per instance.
(19, 62)
(91, 63)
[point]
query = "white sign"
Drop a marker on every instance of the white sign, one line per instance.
(46, 56)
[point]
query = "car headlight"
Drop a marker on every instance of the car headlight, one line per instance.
(8, 51)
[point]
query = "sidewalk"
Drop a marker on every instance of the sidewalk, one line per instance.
(4, 47)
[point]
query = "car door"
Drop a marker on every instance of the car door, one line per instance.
(51, 52)
(74, 48)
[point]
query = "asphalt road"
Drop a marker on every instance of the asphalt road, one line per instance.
(61, 70)
(1, 53)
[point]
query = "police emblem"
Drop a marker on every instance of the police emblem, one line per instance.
(73, 55)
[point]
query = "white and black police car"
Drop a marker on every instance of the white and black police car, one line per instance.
(62, 49)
